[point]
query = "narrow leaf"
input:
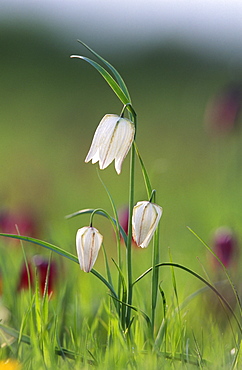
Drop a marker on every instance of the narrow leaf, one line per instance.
(225, 302)
(44, 244)
(144, 172)
(60, 251)
(111, 68)
(107, 77)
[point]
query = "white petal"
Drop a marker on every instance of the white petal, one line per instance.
(125, 135)
(112, 141)
(108, 145)
(98, 138)
(88, 243)
(138, 225)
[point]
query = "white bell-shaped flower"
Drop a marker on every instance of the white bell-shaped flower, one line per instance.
(88, 243)
(145, 219)
(112, 141)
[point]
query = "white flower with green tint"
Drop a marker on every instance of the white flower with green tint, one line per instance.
(88, 243)
(145, 219)
(112, 141)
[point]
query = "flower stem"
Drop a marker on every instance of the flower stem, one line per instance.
(129, 239)
(155, 278)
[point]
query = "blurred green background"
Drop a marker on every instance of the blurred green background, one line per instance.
(50, 107)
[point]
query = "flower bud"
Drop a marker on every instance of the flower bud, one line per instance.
(88, 243)
(112, 141)
(145, 219)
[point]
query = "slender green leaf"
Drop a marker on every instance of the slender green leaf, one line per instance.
(174, 281)
(107, 77)
(111, 68)
(109, 276)
(44, 244)
(144, 172)
(225, 302)
(60, 251)
(121, 275)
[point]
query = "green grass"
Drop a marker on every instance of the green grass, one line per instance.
(50, 108)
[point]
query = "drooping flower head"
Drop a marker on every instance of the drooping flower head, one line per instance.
(112, 141)
(145, 219)
(88, 243)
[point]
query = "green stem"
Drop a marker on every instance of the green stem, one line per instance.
(155, 278)
(129, 239)
(155, 271)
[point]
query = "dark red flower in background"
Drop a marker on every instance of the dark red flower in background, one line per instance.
(45, 271)
(25, 276)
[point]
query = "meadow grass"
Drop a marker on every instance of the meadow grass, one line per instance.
(49, 114)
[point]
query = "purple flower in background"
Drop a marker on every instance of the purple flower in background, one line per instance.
(223, 110)
(225, 246)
